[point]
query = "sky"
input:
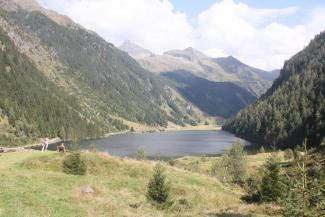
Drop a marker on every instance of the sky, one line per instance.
(262, 34)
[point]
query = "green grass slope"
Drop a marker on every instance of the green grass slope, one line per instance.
(33, 184)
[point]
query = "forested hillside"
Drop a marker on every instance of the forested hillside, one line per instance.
(99, 84)
(294, 107)
(34, 105)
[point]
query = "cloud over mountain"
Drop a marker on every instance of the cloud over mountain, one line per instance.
(257, 36)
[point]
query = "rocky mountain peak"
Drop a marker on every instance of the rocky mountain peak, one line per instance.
(135, 50)
(189, 53)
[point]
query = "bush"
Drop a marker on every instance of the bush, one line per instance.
(288, 154)
(172, 162)
(73, 164)
(141, 155)
(158, 189)
(262, 150)
(232, 166)
(93, 148)
(252, 186)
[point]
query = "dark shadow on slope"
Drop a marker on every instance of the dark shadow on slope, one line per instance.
(214, 98)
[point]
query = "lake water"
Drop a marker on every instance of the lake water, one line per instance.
(165, 144)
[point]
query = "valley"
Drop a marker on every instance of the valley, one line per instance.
(199, 121)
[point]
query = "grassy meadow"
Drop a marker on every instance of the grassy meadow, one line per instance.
(33, 185)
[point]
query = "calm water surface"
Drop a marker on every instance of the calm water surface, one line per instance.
(166, 144)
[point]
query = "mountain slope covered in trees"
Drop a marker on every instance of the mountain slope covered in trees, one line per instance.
(294, 107)
(105, 86)
(32, 103)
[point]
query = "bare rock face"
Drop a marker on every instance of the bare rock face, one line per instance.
(88, 190)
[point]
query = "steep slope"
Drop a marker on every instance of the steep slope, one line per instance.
(294, 107)
(269, 75)
(34, 105)
(108, 85)
(255, 80)
(222, 99)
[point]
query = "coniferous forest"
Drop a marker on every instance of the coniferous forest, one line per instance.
(293, 108)
(34, 105)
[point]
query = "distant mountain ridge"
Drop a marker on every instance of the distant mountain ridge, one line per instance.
(214, 69)
(135, 51)
(233, 65)
(191, 72)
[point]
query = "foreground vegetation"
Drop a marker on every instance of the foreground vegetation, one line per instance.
(293, 181)
(34, 184)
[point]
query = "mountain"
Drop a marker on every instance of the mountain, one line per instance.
(189, 70)
(233, 65)
(135, 51)
(269, 75)
(221, 99)
(293, 108)
(32, 104)
(99, 83)
(255, 80)
(213, 69)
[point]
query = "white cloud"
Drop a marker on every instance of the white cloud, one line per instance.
(255, 36)
(150, 23)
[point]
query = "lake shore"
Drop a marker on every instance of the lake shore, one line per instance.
(156, 130)
(168, 129)
(198, 128)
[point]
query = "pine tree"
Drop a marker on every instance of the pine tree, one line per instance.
(272, 186)
(73, 164)
(158, 190)
(305, 187)
(237, 163)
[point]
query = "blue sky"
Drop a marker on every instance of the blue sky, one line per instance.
(193, 7)
(261, 33)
